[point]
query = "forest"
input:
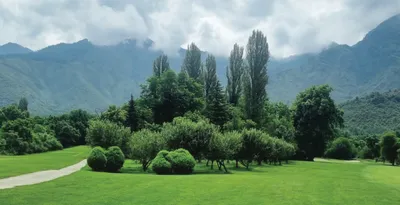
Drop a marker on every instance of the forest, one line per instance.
(192, 116)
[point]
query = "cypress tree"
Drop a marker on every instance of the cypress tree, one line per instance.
(23, 104)
(217, 107)
(210, 75)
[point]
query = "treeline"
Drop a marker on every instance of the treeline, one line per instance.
(191, 110)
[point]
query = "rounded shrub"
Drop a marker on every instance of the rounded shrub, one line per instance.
(182, 162)
(341, 148)
(115, 159)
(97, 159)
(160, 165)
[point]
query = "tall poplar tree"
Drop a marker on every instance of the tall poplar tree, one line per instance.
(255, 79)
(160, 65)
(192, 62)
(234, 73)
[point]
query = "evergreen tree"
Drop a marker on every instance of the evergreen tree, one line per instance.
(131, 118)
(192, 62)
(160, 65)
(256, 79)
(216, 106)
(210, 74)
(234, 74)
(23, 104)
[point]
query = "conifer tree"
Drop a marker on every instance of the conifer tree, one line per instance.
(210, 75)
(131, 118)
(192, 62)
(216, 105)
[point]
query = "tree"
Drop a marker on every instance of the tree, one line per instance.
(66, 134)
(278, 121)
(145, 145)
(132, 117)
(223, 147)
(17, 136)
(234, 74)
(389, 146)
(79, 119)
(106, 134)
(210, 80)
(160, 65)
(341, 148)
(23, 104)
(192, 62)
(11, 112)
(114, 114)
(315, 117)
(216, 107)
(190, 95)
(256, 79)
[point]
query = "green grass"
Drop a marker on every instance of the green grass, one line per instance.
(295, 183)
(17, 165)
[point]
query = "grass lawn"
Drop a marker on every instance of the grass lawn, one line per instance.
(295, 183)
(17, 165)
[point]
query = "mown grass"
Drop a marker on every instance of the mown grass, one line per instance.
(294, 183)
(17, 165)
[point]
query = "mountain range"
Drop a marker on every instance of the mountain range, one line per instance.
(62, 77)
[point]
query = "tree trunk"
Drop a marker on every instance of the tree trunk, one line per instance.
(259, 162)
(237, 163)
(207, 163)
(212, 164)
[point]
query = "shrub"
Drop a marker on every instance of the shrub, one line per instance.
(145, 145)
(43, 142)
(182, 162)
(341, 148)
(115, 159)
(66, 134)
(97, 159)
(160, 165)
(255, 145)
(106, 134)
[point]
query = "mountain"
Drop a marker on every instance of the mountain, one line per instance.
(374, 113)
(62, 77)
(371, 65)
(13, 48)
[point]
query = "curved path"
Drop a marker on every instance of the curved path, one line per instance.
(39, 177)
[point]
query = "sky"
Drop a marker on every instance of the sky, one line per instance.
(291, 26)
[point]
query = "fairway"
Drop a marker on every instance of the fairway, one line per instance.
(17, 165)
(295, 183)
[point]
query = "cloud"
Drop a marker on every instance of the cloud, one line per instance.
(291, 26)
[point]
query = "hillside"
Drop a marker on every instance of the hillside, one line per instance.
(82, 75)
(13, 48)
(374, 113)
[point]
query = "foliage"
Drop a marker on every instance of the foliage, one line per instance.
(115, 159)
(210, 76)
(341, 148)
(11, 112)
(234, 73)
(192, 62)
(17, 136)
(97, 159)
(182, 162)
(315, 116)
(43, 142)
(114, 114)
(216, 107)
(223, 146)
(254, 145)
(189, 135)
(66, 134)
(372, 114)
(237, 121)
(389, 145)
(160, 165)
(23, 104)
(255, 79)
(145, 145)
(106, 134)
(278, 121)
(132, 117)
(160, 65)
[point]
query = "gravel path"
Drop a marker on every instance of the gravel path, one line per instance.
(39, 177)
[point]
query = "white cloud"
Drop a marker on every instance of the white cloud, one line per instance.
(291, 26)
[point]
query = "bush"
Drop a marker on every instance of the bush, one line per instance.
(97, 159)
(160, 165)
(106, 134)
(341, 148)
(43, 142)
(389, 146)
(115, 159)
(182, 162)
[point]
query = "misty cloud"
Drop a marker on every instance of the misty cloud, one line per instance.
(292, 26)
